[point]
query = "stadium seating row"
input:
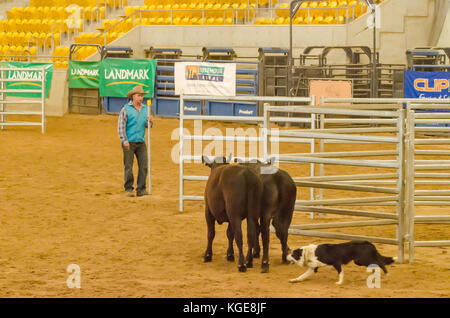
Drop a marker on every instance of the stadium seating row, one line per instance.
(37, 25)
(204, 2)
(22, 38)
(225, 12)
(95, 38)
(65, 3)
(55, 13)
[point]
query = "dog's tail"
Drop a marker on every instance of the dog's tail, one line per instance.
(386, 260)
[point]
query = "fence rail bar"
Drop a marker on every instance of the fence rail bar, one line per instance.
(20, 102)
(193, 197)
(358, 121)
(433, 152)
(347, 154)
(195, 178)
(431, 243)
(345, 201)
(380, 215)
(224, 118)
(330, 225)
(249, 98)
(386, 100)
(430, 219)
(21, 113)
(432, 175)
(432, 192)
(339, 186)
(347, 177)
(432, 167)
(319, 110)
(423, 116)
(341, 236)
(431, 203)
(283, 133)
(290, 120)
(432, 141)
(351, 130)
(222, 138)
(20, 123)
(361, 163)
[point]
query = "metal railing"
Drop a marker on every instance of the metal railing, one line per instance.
(243, 16)
(3, 102)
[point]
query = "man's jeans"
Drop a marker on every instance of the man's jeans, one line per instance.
(140, 150)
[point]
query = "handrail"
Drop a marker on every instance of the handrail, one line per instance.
(29, 55)
(37, 43)
(139, 12)
(99, 13)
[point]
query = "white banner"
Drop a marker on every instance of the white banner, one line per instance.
(199, 78)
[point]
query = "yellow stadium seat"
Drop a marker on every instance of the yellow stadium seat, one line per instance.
(195, 21)
(298, 20)
(283, 10)
(279, 20)
(260, 21)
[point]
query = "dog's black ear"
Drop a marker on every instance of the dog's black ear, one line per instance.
(297, 254)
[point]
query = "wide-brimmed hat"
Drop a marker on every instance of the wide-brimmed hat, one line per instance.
(136, 90)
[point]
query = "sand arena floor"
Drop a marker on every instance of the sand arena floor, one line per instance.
(62, 202)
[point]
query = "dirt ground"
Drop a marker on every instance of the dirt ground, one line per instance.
(62, 202)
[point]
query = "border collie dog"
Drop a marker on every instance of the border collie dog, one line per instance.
(363, 253)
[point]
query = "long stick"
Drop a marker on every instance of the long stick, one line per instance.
(148, 153)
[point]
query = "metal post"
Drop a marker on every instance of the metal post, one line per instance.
(43, 100)
(410, 180)
(3, 116)
(181, 152)
(266, 134)
(374, 65)
(401, 186)
(149, 153)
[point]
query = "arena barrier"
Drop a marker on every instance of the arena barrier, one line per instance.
(349, 123)
(262, 139)
(357, 129)
(431, 130)
(4, 102)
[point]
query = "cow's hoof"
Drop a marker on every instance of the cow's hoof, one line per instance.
(250, 265)
(242, 268)
(265, 268)
(230, 258)
(207, 258)
(285, 261)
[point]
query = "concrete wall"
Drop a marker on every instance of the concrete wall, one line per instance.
(405, 24)
(244, 39)
(444, 37)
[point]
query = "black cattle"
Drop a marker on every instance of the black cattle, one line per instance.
(233, 193)
(277, 204)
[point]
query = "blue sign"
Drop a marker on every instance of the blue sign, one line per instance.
(427, 85)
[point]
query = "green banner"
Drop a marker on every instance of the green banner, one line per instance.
(119, 76)
(84, 74)
(23, 74)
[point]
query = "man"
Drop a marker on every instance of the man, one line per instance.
(133, 120)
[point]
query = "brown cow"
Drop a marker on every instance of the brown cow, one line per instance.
(278, 202)
(233, 193)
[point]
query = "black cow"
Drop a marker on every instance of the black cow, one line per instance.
(277, 204)
(233, 193)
